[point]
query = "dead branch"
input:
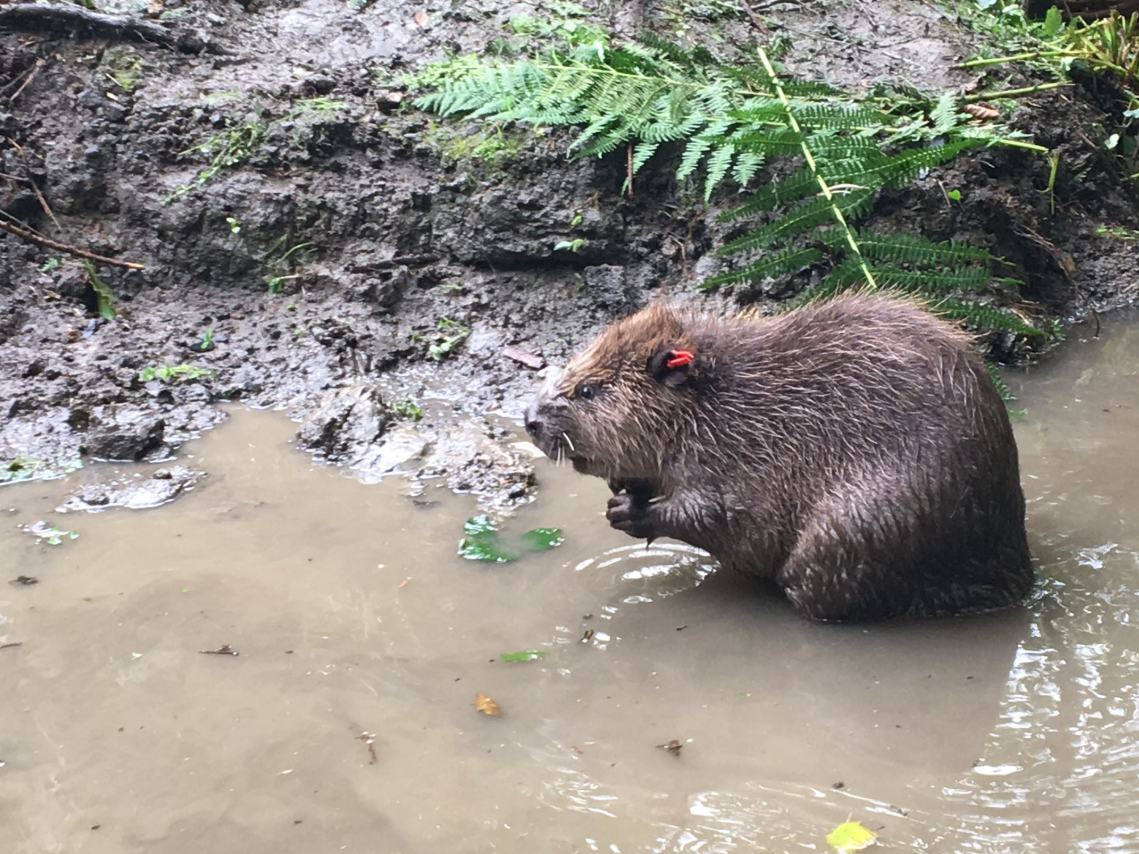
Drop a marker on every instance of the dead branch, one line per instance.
(25, 233)
(76, 19)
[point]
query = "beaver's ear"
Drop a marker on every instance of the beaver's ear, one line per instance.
(670, 365)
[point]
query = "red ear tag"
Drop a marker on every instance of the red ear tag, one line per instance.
(678, 358)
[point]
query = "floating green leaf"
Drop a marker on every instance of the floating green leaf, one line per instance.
(488, 548)
(851, 836)
(479, 526)
(482, 541)
(537, 539)
(524, 655)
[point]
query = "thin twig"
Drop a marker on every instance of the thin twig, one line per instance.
(31, 76)
(31, 236)
(629, 169)
(46, 207)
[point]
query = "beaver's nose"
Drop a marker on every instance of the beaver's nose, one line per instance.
(533, 420)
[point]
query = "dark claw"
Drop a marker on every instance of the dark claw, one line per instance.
(627, 513)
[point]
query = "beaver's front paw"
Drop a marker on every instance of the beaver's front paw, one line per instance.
(630, 513)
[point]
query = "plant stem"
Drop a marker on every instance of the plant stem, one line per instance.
(1011, 93)
(823, 186)
(1016, 57)
(1019, 143)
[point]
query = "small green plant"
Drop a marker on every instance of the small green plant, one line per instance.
(226, 148)
(1118, 232)
(281, 256)
(407, 409)
(124, 68)
(453, 334)
(105, 298)
(166, 373)
(234, 225)
(50, 264)
(207, 341)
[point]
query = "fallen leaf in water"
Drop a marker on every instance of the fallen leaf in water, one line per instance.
(672, 747)
(588, 636)
(537, 539)
(403, 583)
(224, 649)
(524, 655)
(851, 836)
(486, 705)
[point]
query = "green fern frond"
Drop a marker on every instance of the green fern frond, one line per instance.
(774, 142)
(697, 56)
(641, 154)
(799, 218)
(836, 116)
(983, 316)
(718, 165)
(746, 165)
(930, 281)
(903, 167)
(906, 248)
(785, 190)
(944, 115)
(999, 382)
(757, 78)
(770, 265)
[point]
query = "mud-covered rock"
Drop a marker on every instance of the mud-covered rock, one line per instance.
(162, 487)
(347, 421)
(125, 433)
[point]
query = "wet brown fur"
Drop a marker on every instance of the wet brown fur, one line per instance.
(855, 452)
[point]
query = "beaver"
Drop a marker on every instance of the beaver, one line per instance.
(854, 452)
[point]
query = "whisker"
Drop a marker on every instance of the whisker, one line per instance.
(568, 442)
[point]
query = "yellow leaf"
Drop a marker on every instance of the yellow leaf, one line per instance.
(851, 836)
(486, 705)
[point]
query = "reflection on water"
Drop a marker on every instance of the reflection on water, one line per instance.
(359, 627)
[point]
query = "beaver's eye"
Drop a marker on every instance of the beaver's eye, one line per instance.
(586, 392)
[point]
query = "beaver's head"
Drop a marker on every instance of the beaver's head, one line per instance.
(616, 406)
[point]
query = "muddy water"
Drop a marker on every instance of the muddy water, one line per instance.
(347, 720)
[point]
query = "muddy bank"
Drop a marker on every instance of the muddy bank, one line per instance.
(404, 252)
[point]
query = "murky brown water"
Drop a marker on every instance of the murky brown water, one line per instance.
(1009, 733)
